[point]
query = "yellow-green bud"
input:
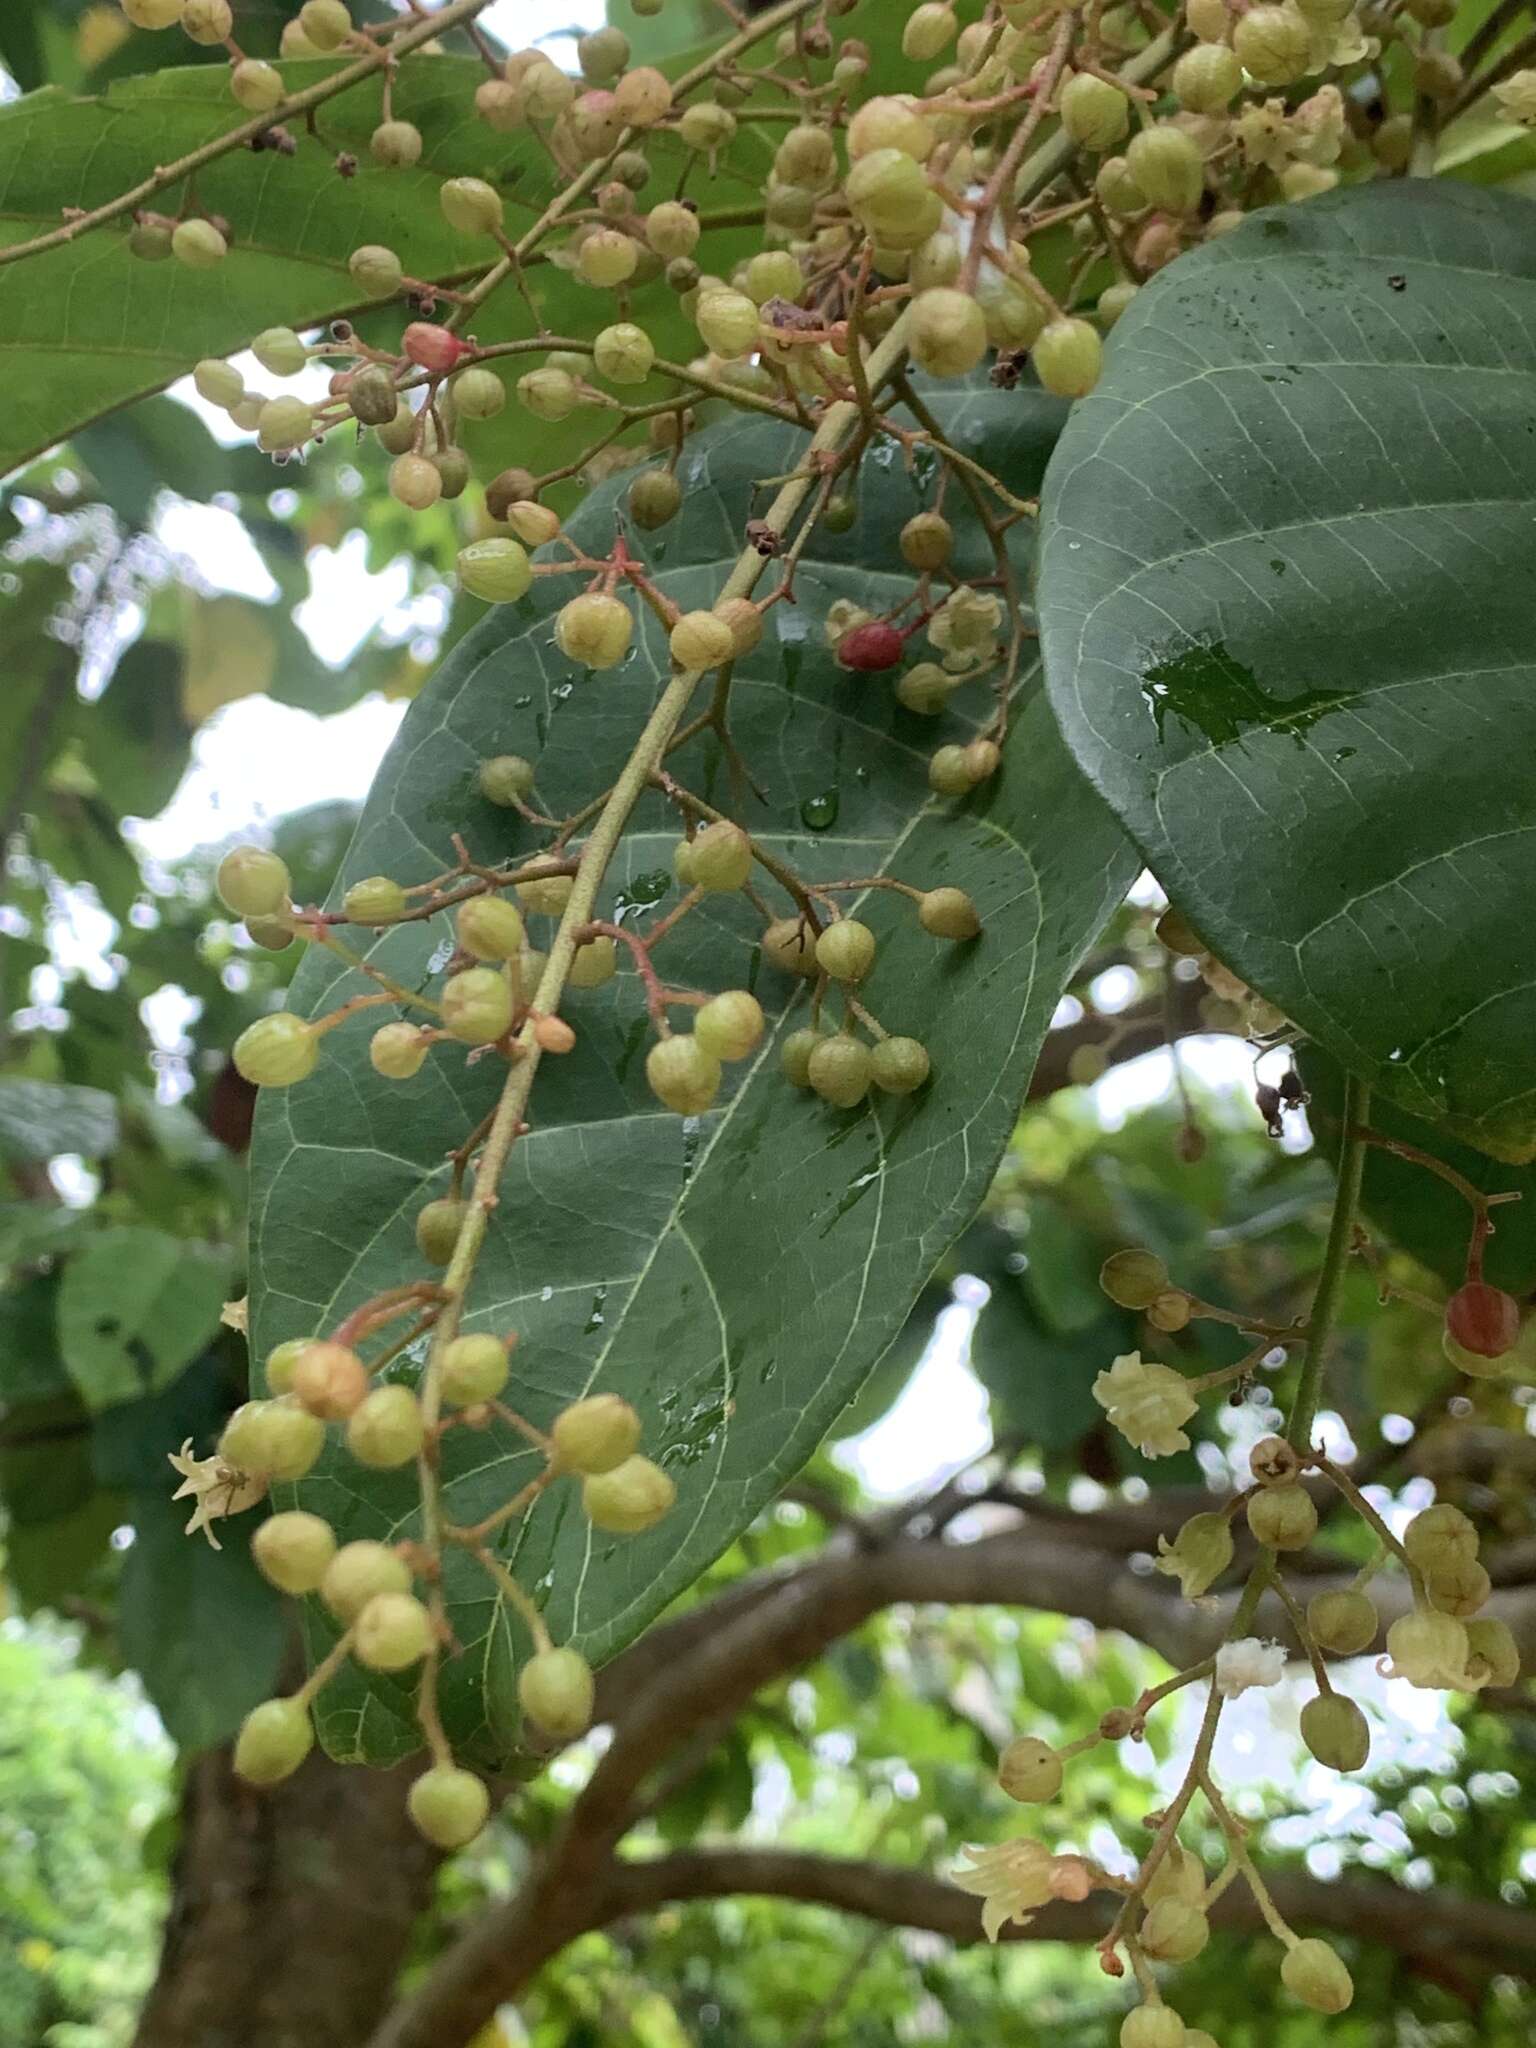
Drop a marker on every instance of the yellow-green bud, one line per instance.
(720, 857)
(1311, 1971)
(556, 1690)
(1274, 45)
(276, 1051)
(1282, 1517)
(682, 1075)
(496, 570)
(1494, 1653)
(474, 1369)
(730, 1025)
(274, 1740)
(1207, 78)
(899, 1065)
(846, 950)
(293, 1550)
(1133, 1279)
(448, 1806)
(1152, 2026)
(477, 1005)
(1458, 1588)
(490, 928)
(1174, 1932)
(358, 1573)
(505, 779)
(634, 1496)
(1093, 112)
(1029, 1770)
(701, 640)
(1336, 1732)
(393, 1632)
(790, 945)
(374, 900)
(1430, 1650)
(437, 1229)
(386, 1430)
(1343, 1622)
(1067, 355)
(1165, 164)
(1439, 1537)
(1198, 1555)
(596, 1434)
(594, 629)
(948, 332)
(840, 1070)
(623, 353)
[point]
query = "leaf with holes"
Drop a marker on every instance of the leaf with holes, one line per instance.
(1286, 590)
(736, 1277)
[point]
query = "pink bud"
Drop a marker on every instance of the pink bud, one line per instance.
(1482, 1319)
(874, 645)
(434, 348)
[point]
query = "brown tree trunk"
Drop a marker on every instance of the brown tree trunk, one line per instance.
(290, 1909)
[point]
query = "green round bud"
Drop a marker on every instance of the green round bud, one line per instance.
(470, 205)
(607, 257)
(1029, 1770)
(795, 1056)
(256, 86)
(415, 482)
(594, 629)
(1343, 1622)
(292, 1550)
(397, 436)
(1207, 78)
(1311, 1971)
(926, 541)
(505, 779)
(623, 353)
(846, 950)
(1093, 112)
(682, 1075)
(1274, 45)
(395, 144)
(448, 1806)
(477, 1005)
(1336, 1732)
(497, 570)
(546, 895)
(948, 332)
(274, 1740)
(1067, 355)
(1460, 1587)
(1133, 1279)
(284, 424)
(453, 471)
(899, 1065)
(490, 928)
(326, 23)
(1282, 1517)
(730, 1025)
(220, 384)
(253, 882)
(374, 900)
(393, 1632)
(928, 30)
(153, 14)
(478, 394)
(790, 945)
(948, 914)
(701, 640)
(596, 1434)
(276, 1051)
(437, 1229)
(281, 1361)
(949, 773)
(672, 229)
(360, 1572)
(1439, 1537)
(474, 1369)
(533, 524)
(706, 126)
(198, 244)
(386, 1430)
(1174, 1932)
(592, 964)
(397, 1051)
(271, 1440)
(889, 194)
(1492, 1648)
(1152, 2026)
(376, 270)
(280, 351)
(1428, 1649)
(774, 274)
(629, 1497)
(926, 688)
(372, 396)
(150, 241)
(654, 498)
(1166, 166)
(1180, 1875)
(728, 321)
(720, 856)
(839, 1071)
(556, 1690)
(329, 1379)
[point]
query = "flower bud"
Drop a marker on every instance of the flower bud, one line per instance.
(1440, 1537)
(490, 928)
(1093, 112)
(385, 1429)
(415, 482)
(899, 1065)
(360, 1572)
(477, 1005)
(504, 779)
(376, 270)
(330, 1380)
(654, 498)
(682, 1075)
(1180, 1875)
(1273, 44)
(846, 950)
(1494, 1654)
(1459, 1587)
(1274, 1462)
(292, 1550)
(948, 332)
(1067, 355)
(271, 1440)
(556, 1690)
(1174, 1932)
(437, 1229)
(1133, 1279)
(730, 1025)
(1311, 1971)
(1198, 1555)
(374, 900)
(706, 126)
(594, 629)
(397, 1051)
(1336, 1732)
(720, 857)
(433, 348)
(1430, 1650)
(631, 1497)
(1170, 1311)
(394, 1631)
(1344, 1622)
(1167, 166)
(1207, 78)
(948, 914)
(470, 205)
(448, 1806)
(790, 945)
(890, 121)
(840, 1070)
(198, 245)
(496, 570)
(888, 194)
(1152, 2026)
(1029, 1770)
(274, 1740)
(595, 1435)
(1282, 1517)
(252, 882)
(701, 640)
(1483, 1320)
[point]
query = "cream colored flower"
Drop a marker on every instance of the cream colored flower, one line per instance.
(1433, 1651)
(1516, 96)
(1317, 128)
(1198, 1555)
(842, 616)
(966, 623)
(1248, 1662)
(1265, 135)
(1147, 1403)
(1011, 1879)
(216, 1488)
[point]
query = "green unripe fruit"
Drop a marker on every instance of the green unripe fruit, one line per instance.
(1311, 1971)
(1282, 1517)
(682, 1075)
(1133, 1279)
(1207, 78)
(1152, 2026)
(1093, 112)
(701, 640)
(556, 1690)
(546, 895)
(437, 1229)
(386, 1429)
(1491, 1645)
(281, 1360)
(396, 145)
(623, 353)
(1165, 165)
(490, 928)
(252, 882)
(218, 383)
(888, 193)
(1029, 1770)
(360, 1572)
(730, 1025)
(478, 393)
(198, 244)
(292, 1550)
(477, 1005)
(496, 570)
(596, 1435)
(927, 540)
(1174, 1932)
(672, 229)
(839, 1071)
(374, 900)
(948, 914)
(1068, 355)
(415, 482)
(948, 332)
(890, 121)
(1114, 301)
(594, 629)
(397, 1051)
(471, 205)
(376, 270)
(374, 401)
(1344, 1622)
(326, 23)
(1336, 1732)
(720, 857)
(774, 274)
(474, 1369)
(706, 126)
(654, 498)
(629, 1497)
(1439, 1537)
(150, 241)
(276, 1051)
(274, 1740)
(899, 1065)
(607, 257)
(795, 1056)
(790, 945)
(256, 86)
(728, 321)
(1274, 45)
(397, 436)
(504, 779)
(846, 950)
(271, 1440)
(448, 1806)
(593, 963)
(394, 1631)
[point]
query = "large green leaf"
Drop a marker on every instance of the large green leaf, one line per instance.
(738, 1277)
(1287, 589)
(40, 1119)
(134, 1307)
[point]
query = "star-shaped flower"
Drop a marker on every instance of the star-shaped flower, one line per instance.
(217, 1489)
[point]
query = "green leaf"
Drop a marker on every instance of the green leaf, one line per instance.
(202, 1627)
(1287, 586)
(30, 1366)
(134, 1308)
(162, 445)
(739, 1277)
(40, 1119)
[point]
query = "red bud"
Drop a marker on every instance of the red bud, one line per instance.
(1482, 1319)
(434, 348)
(874, 645)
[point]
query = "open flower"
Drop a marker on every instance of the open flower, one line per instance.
(1516, 96)
(1433, 1651)
(1198, 1555)
(1012, 1879)
(1248, 1662)
(1146, 1402)
(215, 1487)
